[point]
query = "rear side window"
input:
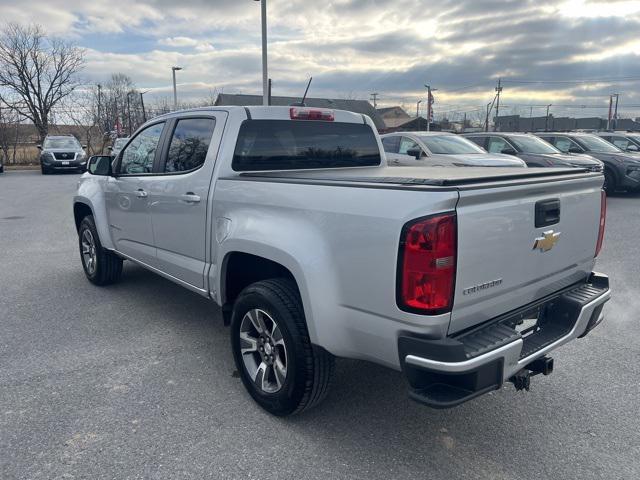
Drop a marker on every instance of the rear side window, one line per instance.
(391, 144)
(189, 144)
(292, 145)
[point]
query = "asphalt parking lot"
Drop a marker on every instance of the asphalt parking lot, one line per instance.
(137, 381)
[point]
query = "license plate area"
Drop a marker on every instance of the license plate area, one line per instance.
(65, 163)
(526, 323)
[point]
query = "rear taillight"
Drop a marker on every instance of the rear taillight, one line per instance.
(427, 265)
(603, 218)
(297, 113)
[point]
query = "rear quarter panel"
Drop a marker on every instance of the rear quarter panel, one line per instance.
(341, 245)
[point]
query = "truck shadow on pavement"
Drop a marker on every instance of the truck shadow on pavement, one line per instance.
(367, 421)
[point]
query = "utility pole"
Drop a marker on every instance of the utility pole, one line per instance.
(546, 120)
(374, 98)
(418, 108)
(129, 112)
(100, 107)
(144, 113)
(498, 90)
(265, 74)
(430, 102)
(615, 111)
(610, 111)
(175, 91)
(464, 122)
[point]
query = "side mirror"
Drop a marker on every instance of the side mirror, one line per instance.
(39, 147)
(100, 165)
(508, 151)
(84, 146)
(575, 150)
(415, 152)
(109, 148)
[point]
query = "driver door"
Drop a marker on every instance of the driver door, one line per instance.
(127, 196)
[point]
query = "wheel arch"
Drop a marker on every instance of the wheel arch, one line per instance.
(239, 269)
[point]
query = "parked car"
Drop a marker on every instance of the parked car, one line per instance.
(621, 169)
(118, 144)
(533, 150)
(1, 166)
(625, 141)
(289, 219)
(440, 149)
(62, 152)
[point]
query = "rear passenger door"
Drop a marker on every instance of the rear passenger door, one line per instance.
(179, 201)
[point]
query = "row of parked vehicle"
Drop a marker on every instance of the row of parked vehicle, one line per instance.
(615, 154)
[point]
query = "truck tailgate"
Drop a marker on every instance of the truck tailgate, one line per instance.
(505, 261)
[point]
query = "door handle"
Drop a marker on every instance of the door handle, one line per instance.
(190, 198)
(141, 193)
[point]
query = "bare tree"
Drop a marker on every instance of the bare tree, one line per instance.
(9, 135)
(36, 72)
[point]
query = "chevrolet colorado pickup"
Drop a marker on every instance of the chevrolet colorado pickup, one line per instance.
(290, 220)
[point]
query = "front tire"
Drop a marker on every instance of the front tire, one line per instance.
(280, 368)
(101, 266)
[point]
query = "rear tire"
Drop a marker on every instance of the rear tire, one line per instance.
(276, 308)
(101, 266)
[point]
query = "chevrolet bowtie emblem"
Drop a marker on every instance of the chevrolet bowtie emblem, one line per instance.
(547, 241)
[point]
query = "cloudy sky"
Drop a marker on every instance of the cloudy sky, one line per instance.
(565, 52)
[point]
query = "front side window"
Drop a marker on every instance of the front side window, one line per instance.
(620, 142)
(189, 144)
(140, 154)
(497, 145)
(596, 144)
(531, 144)
(480, 141)
(294, 145)
(391, 144)
(450, 145)
(407, 144)
(565, 143)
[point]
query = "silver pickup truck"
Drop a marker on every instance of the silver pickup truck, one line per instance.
(289, 220)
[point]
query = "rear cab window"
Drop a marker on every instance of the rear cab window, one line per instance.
(298, 145)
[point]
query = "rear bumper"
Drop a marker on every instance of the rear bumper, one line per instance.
(445, 373)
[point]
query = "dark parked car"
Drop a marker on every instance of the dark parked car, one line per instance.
(533, 150)
(629, 142)
(1, 166)
(621, 169)
(62, 152)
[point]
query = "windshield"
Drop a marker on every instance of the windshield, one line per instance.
(70, 142)
(527, 144)
(596, 144)
(289, 145)
(449, 145)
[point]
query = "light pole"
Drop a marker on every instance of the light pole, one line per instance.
(418, 108)
(546, 120)
(175, 92)
(144, 112)
(265, 75)
(429, 105)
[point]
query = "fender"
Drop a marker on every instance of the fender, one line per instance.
(90, 193)
(304, 255)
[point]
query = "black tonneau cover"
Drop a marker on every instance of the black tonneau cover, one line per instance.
(439, 177)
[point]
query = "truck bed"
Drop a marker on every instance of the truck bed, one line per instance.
(422, 177)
